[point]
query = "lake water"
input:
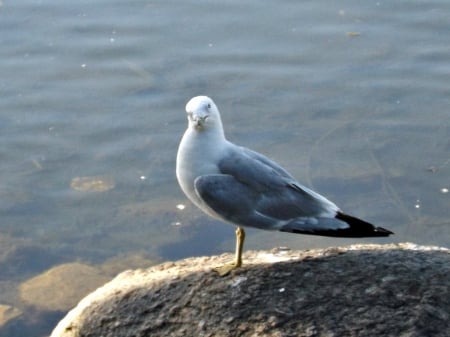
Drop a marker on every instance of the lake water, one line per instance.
(352, 97)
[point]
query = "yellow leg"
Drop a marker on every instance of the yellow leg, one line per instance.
(240, 238)
(227, 268)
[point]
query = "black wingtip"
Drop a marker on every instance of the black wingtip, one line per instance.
(383, 231)
(361, 228)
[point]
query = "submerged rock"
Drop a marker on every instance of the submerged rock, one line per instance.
(61, 287)
(93, 184)
(8, 313)
(362, 290)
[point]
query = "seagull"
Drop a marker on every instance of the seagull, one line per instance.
(245, 188)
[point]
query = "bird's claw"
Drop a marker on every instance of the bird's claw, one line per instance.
(225, 269)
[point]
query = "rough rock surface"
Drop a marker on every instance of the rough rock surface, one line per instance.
(363, 290)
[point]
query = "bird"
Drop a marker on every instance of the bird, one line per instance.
(247, 189)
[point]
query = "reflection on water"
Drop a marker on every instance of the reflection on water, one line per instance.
(353, 98)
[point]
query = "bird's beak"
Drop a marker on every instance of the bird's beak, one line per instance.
(197, 120)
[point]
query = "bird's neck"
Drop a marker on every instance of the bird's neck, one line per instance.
(209, 135)
(202, 142)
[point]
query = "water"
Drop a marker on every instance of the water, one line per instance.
(352, 97)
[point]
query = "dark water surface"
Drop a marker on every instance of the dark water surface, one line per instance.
(353, 98)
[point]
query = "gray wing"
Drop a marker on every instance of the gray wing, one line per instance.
(252, 190)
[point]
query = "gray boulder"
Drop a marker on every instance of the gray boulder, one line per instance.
(362, 290)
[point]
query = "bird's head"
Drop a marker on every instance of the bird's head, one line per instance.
(202, 113)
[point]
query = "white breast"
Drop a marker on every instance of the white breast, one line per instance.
(196, 157)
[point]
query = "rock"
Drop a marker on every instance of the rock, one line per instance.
(361, 290)
(61, 287)
(8, 313)
(93, 184)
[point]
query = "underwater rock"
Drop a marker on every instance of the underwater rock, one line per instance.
(61, 287)
(359, 290)
(8, 313)
(93, 184)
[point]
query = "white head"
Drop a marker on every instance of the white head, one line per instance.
(203, 114)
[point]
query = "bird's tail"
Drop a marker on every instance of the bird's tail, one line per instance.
(361, 228)
(342, 225)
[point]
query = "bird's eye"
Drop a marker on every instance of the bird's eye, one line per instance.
(209, 105)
